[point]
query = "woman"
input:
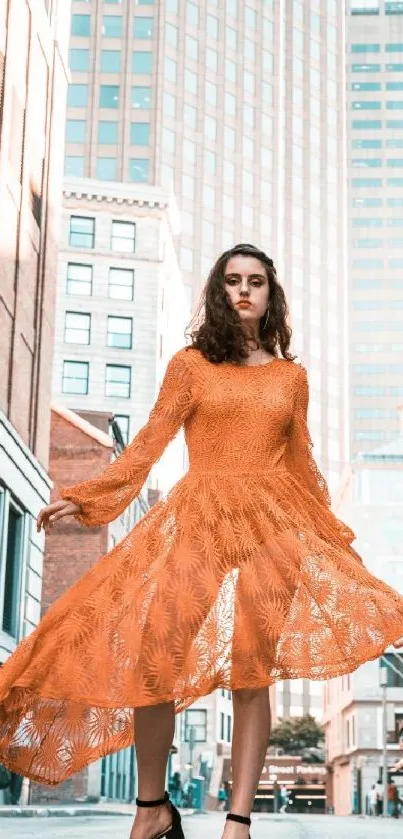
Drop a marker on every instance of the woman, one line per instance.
(241, 577)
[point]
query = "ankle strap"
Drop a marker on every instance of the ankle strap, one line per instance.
(232, 817)
(155, 803)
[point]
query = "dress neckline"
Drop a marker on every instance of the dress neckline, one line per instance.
(252, 366)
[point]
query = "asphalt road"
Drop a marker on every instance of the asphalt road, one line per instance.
(202, 827)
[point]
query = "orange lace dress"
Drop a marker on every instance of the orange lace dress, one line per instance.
(240, 577)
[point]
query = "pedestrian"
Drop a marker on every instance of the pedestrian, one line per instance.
(222, 798)
(241, 577)
(283, 798)
(379, 798)
(372, 800)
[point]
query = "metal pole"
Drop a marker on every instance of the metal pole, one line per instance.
(384, 682)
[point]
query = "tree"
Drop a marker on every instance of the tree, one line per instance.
(301, 736)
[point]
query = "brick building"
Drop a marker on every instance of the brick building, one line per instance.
(33, 83)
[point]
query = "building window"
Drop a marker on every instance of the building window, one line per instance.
(112, 26)
(394, 85)
(396, 105)
(365, 7)
(118, 381)
(111, 61)
(363, 105)
(107, 168)
(366, 86)
(121, 283)
(229, 728)
(140, 134)
(74, 166)
(366, 124)
(120, 332)
(75, 130)
(394, 47)
(81, 25)
(77, 96)
(222, 726)
(366, 162)
(366, 68)
(123, 422)
(143, 27)
(196, 719)
(142, 63)
(75, 377)
(79, 60)
(393, 8)
(366, 48)
(77, 328)
(367, 144)
(394, 68)
(79, 279)
(109, 96)
(107, 133)
(82, 232)
(123, 236)
(12, 533)
(141, 97)
(359, 183)
(139, 169)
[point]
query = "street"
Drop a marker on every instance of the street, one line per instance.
(200, 827)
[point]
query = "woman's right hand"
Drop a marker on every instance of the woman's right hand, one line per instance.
(53, 512)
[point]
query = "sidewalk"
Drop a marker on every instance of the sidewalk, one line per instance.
(62, 810)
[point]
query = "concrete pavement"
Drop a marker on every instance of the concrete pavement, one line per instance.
(200, 827)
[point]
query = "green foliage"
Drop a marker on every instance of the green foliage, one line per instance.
(299, 736)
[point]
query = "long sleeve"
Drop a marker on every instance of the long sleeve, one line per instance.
(299, 455)
(105, 497)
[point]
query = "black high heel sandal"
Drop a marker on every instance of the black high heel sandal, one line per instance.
(232, 817)
(174, 830)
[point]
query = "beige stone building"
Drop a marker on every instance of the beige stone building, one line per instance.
(33, 84)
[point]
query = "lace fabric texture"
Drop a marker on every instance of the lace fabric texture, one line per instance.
(242, 576)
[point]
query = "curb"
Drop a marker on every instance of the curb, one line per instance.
(10, 811)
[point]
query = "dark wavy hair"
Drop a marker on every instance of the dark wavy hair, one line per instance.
(216, 329)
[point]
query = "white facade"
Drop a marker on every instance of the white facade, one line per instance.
(371, 500)
(121, 305)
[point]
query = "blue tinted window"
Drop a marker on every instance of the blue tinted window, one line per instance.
(363, 105)
(81, 25)
(107, 132)
(394, 68)
(395, 243)
(365, 48)
(366, 86)
(394, 85)
(77, 96)
(143, 27)
(106, 168)
(395, 143)
(111, 61)
(366, 68)
(367, 243)
(367, 162)
(74, 165)
(367, 144)
(367, 283)
(395, 263)
(141, 97)
(364, 182)
(370, 264)
(394, 222)
(140, 133)
(396, 105)
(367, 202)
(139, 170)
(392, 7)
(394, 202)
(394, 47)
(142, 62)
(394, 123)
(366, 124)
(395, 162)
(367, 222)
(79, 60)
(109, 96)
(394, 181)
(112, 26)
(75, 130)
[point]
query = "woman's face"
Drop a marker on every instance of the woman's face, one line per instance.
(246, 282)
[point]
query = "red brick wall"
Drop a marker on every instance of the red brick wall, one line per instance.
(70, 551)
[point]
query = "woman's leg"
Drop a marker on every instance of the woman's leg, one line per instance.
(155, 728)
(249, 746)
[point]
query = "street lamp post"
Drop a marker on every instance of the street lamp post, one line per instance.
(383, 680)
